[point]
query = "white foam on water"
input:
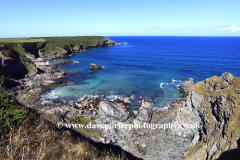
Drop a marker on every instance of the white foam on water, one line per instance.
(49, 97)
(161, 84)
(133, 96)
(173, 80)
(76, 61)
(70, 83)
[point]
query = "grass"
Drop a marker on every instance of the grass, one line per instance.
(31, 69)
(25, 59)
(21, 40)
(51, 45)
(10, 114)
(234, 126)
(85, 121)
(194, 149)
(140, 149)
(82, 120)
(27, 135)
(36, 138)
(20, 50)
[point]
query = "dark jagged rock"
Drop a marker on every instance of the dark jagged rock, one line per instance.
(12, 66)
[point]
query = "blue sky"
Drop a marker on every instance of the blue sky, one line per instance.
(35, 18)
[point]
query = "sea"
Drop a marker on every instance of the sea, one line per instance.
(150, 67)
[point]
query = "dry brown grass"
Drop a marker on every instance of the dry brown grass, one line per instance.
(37, 139)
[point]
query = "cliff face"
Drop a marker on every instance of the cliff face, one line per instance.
(12, 66)
(215, 104)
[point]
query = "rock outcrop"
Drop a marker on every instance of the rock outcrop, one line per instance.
(111, 110)
(95, 67)
(214, 104)
(145, 111)
(12, 66)
(184, 86)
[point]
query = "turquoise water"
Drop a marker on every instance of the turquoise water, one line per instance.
(150, 67)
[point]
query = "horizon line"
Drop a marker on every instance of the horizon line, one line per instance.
(122, 36)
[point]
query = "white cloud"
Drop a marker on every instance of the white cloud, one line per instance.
(215, 28)
(231, 28)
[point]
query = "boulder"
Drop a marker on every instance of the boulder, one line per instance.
(135, 112)
(95, 67)
(144, 114)
(228, 77)
(111, 110)
(184, 86)
(127, 100)
(145, 111)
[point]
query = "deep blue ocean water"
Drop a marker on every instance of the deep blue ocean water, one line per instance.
(150, 67)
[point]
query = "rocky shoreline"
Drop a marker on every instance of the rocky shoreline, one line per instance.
(210, 105)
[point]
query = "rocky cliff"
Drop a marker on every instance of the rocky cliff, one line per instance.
(15, 67)
(207, 120)
(215, 104)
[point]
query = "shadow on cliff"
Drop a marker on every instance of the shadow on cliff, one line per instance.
(12, 66)
(232, 154)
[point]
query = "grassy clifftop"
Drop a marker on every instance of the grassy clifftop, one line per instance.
(18, 52)
(54, 44)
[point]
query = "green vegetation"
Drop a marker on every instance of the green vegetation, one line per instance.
(199, 147)
(233, 131)
(61, 44)
(31, 69)
(2, 78)
(82, 120)
(21, 40)
(19, 49)
(85, 121)
(141, 149)
(25, 59)
(27, 135)
(11, 115)
(50, 45)
(232, 94)
(214, 80)
(38, 139)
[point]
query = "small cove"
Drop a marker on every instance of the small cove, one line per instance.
(147, 67)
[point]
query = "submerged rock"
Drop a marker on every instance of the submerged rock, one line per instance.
(111, 110)
(95, 67)
(62, 61)
(184, 86)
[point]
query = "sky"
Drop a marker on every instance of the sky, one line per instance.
(35, 18)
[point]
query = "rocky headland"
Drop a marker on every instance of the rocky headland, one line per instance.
(202, 125)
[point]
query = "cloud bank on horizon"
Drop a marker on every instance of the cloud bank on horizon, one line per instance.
(119, 18)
